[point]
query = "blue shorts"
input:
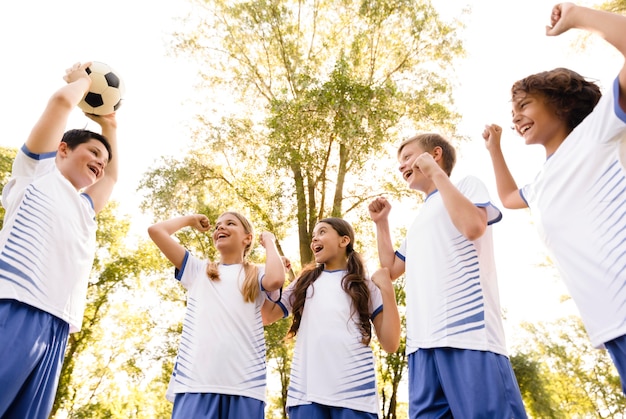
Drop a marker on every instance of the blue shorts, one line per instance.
(617, 350)
(320, 411)
(461, 383)
(32, 349)
(216, 406)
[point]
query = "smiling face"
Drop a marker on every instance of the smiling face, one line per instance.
(83, 165)
(231, 238)
(329, 248)
(537, 122)
(414, 178)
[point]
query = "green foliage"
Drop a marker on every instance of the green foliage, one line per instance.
(107, 369)
(562, 376)
(7, 155)
(329, 86)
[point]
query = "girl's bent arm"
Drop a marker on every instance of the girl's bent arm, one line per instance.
(161, 235)
(387, 322)
(274, 277)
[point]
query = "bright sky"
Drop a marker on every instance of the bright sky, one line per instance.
(505, 41)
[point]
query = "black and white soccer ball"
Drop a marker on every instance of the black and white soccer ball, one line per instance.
(106, 91)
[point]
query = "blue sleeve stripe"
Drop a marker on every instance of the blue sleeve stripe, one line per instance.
(400, 256)
(178, 273)
(376, 312)
(36, 156)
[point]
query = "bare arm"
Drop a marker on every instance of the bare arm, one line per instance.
(274, 266)
(271, 312)
(470, 220)
(100, 192)
(48, 131)
(379, 213)
(609, 26)
(507, 188)
(387, 322)
(161, 234)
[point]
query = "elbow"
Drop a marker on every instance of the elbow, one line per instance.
(61, 100)
(391, 345)
(273, 283)
(474, 233)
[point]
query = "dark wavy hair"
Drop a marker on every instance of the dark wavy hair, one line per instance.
(570, 95)
(75, 137)
(353, 283)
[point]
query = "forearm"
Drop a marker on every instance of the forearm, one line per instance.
(508, 191)
(274, 268)
(610, 26)
(465, 216)
(171, 226)
(386, 253)
(389, 328)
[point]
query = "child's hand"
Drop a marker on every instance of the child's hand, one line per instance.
(379, 209)
(491, 135)
(426, 164)
(266, 238)
(108, 121)
(382, 279)
(77, 71)
(286, 263)
(200, 222)
(559, 19)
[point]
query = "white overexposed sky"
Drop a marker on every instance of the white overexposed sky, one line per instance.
(504, 39)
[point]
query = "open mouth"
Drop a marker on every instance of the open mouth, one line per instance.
(523, 129)
(407, 174)
(94, 170)
(317, 248)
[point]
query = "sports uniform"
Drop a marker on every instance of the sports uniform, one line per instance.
(222, 348)
(578, 202)
(453, 304)
(47, 246)
(331, 366)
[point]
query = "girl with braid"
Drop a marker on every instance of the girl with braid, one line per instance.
(334, 305)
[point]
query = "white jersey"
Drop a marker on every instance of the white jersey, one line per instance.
(452, 297)
(48, 240)
(222, 347)
(331, 366)
(578, 202)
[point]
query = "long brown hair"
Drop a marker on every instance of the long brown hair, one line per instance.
(353, 283)
(250, 288)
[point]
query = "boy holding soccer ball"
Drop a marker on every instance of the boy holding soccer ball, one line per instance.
(59, 182)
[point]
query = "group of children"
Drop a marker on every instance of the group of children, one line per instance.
(457, 358)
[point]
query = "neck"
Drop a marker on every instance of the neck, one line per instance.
(231, 259)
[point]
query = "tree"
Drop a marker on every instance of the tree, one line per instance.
(114, 339)
(563, 376)
(328, 86)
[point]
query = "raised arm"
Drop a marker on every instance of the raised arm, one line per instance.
(470, 220)
(507, 188)
(274, 277)
(48, 130)
(379, 210)
(161, 234)
(387, 322)
(100, 192)
(610, 26)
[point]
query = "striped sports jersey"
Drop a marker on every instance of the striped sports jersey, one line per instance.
(48, 240)
(222, 347)
(331, 366)
(578, 202)
(452, 297)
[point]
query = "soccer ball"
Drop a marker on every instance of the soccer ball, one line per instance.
(106, 91)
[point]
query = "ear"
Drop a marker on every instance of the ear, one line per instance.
(344, 241)
(63, 149)
(437, 153)
(248, 239)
